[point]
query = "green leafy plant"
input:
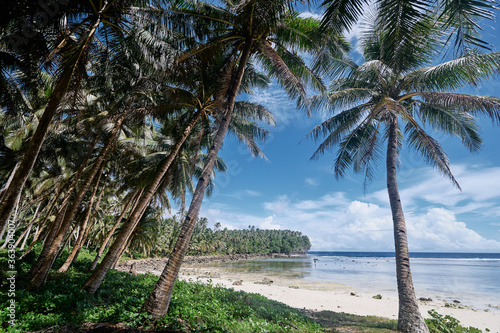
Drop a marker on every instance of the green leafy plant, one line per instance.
(447, 324)
(195, 307)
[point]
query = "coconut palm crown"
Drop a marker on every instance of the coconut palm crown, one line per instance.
(394, 97)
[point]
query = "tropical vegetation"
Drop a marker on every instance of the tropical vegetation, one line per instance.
(113, 112)
(157, 239)
(195, 306)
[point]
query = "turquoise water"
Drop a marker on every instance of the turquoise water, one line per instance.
(473, 279)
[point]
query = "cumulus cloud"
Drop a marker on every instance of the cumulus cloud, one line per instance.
(477, 195)
(308, 14)
(367, 226)
(268, 223)
(334, 221)
(439, 229)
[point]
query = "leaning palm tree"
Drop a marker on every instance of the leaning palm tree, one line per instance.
(271, 32)
(391, 98)
(69, 48)
(193, 101)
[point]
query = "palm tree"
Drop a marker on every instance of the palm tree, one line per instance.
(99, 274)
(70, 53)
(392, 97)
(195, 98)
(269, 30)
(132, 197)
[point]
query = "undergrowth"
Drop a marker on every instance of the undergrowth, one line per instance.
(194, 307)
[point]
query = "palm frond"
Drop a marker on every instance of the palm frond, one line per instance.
(463, 17)
(248, 133)
(474, 104)
(453, 122)
(429, 148)
(341, 14)
(365, 159)
(254, 111)
(454, 74)
(335, 128)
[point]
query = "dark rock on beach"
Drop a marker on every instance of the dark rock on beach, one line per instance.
(425, 299)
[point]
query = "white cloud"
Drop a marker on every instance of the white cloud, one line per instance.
(477, 195)
(279, 206)
(336, 222)
(311, 182)
(268, 223)
(440, 230)
(309, 14)
(228, 219)
(328, 200)
(226, 226)
(251, 193)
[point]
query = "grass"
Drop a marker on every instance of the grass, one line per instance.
(345, 322)
(194, 307)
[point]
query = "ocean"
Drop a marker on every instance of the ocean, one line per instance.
(473, 279)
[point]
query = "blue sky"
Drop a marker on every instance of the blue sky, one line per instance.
(291, 192)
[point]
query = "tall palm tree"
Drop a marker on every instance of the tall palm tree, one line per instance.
(390, 98)
(271, 32)
(194, 97)
(70, 55)
(190, 120)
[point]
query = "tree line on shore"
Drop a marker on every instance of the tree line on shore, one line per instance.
(112, 111)
(217, 241)
(156, 236)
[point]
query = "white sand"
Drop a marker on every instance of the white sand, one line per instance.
(335, 297)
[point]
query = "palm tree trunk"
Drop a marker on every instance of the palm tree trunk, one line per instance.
(158, 301)
(11, 231)
(409, 318)
(28, 229)
(26, 238)
(127, 241)
(80, 240)
(133, 197)
(42, 225)
(55, 226)
(49, 236)
(2, 195)
(9, 181)
(47, 261)
(99, 274)
(21, 174)
(91, 219)
(71, 233)
(123, 248)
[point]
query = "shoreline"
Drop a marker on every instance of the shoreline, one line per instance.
(309, 296)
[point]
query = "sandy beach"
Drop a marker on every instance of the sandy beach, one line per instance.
(326, 296)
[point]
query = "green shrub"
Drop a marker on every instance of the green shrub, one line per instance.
(195, 307)
(447, 324)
